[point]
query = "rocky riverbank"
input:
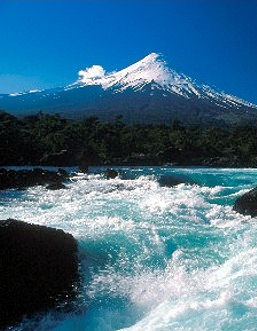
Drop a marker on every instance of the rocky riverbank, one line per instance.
(21, 179)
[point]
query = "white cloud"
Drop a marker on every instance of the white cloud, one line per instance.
(91, 73)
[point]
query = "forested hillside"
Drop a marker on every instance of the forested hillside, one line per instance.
(53, 140)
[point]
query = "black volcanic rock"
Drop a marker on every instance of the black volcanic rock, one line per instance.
(39, 270)
(62, 172)
(111, 173)
(247, 203)
(55, 186)
(83, 168)
(172, 180)
(21, 179)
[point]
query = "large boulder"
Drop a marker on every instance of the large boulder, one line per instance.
(21, 179)
(39, 270)
(173, 180)
(247, 203)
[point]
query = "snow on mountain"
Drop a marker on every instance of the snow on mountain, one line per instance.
(148, 90)
(153, 70)
(26, 92)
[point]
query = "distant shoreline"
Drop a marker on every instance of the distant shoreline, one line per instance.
(36, 165)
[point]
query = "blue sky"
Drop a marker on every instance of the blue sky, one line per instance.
(45, 43)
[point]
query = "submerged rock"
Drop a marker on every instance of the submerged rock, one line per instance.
(247, 203)
(170, 181)
(111, 173)
(83, 168)
(56, 186)
(39, 270)
(62, 172)
(21, 179)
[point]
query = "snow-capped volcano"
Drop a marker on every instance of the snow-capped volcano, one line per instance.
(152, 69)
(146, 91)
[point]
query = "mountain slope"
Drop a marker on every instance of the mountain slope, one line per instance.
(147, 91)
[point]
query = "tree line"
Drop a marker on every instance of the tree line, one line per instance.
(54, 140)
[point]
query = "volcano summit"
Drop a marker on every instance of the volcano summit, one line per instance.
(148, 91)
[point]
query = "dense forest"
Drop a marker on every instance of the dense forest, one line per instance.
(52, 140)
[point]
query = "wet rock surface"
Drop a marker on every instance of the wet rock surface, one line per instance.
(247, 203)
(21, 179)
(39, 270)
(111, 173)
(56, 186)
(170, 181)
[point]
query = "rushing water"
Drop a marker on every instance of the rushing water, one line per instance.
(152, 258)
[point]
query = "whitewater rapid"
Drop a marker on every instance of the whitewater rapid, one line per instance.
(152, 258)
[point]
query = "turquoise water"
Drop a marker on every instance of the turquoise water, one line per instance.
(152, 258)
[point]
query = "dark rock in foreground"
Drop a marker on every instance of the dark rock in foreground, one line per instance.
(247, 203)
(25, 178)
(39, 270)
(170, 181)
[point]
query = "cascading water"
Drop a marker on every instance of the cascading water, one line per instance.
(152, 258)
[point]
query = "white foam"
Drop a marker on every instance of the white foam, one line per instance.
(183, 261)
